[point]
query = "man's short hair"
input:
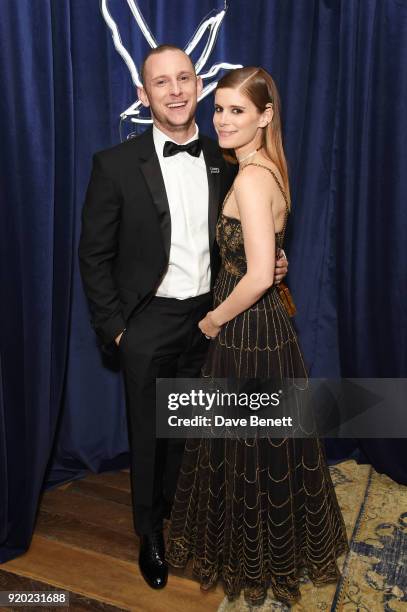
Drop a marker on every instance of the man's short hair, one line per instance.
(161, 49)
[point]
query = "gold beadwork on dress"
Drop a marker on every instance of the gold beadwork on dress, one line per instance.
(255, 513)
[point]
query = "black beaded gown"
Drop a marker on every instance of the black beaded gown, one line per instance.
(255, 513)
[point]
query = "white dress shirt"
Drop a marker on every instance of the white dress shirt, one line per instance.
(186, 184)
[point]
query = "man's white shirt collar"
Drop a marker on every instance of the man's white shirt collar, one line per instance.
(160, 138)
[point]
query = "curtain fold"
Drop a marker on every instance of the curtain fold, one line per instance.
(371, 217)
(27, 164)
(340, 70)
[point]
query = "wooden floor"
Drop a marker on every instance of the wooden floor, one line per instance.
(84, 543)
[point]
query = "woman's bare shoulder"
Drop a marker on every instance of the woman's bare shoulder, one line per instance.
(256, 176)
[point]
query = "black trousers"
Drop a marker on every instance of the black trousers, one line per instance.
(162, 341)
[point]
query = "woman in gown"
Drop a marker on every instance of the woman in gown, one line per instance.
(256, 512)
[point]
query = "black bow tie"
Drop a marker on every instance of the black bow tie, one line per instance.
(172, 148)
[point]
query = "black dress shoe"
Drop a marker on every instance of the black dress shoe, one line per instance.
(151, 560)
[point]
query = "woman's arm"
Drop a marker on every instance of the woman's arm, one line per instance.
(254, 192)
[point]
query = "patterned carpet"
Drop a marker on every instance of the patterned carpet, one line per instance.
(374, 573)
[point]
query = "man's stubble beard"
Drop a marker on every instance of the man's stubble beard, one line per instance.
(171, 127)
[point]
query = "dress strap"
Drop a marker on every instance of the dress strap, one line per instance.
(281, 234)
(275, 178)
(227, 196)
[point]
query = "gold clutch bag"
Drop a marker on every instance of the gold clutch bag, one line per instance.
(287, 299)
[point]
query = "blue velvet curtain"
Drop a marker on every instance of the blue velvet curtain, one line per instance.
(340, 68)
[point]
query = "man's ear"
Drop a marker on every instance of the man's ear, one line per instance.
(141, 92)
(199, 86)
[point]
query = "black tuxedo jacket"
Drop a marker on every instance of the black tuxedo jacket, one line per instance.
(126, 228)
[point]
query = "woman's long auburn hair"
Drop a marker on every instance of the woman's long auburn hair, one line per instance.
(259, 87)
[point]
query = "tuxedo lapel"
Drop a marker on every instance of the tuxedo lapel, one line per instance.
(151, 170)
(150, 167)
(213, 168)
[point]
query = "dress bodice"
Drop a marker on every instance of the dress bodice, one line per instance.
(229, 235)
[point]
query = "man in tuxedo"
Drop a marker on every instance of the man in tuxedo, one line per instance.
(148, 259)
